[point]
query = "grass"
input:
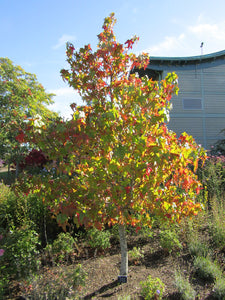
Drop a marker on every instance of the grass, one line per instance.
(198, 248)
(217, 223)
(219, 289)
(207, 269)
(7, 177)
(184, 286)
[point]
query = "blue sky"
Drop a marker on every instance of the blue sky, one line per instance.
(33, 33)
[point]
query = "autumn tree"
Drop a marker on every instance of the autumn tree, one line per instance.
(117, 162)
(21, 97)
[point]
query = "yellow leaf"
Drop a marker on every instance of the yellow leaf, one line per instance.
(166, 205)
(195, 165)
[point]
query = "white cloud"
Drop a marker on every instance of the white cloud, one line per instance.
(63, 91)
(64, 97)
(212, 34)
(214, 31)
(168, 45)
(63, 40)
(188, 42)
(134, 10)
(203, 28)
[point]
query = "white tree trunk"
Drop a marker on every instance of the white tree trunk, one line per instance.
(124, 252)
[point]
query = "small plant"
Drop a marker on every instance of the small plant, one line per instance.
(152, 288)
(184, 287)
(63, 247)
(219, 289)
(198, 248)
(128, 297)
(207, 269)
(98, 239)
(136, 254)
(114, 234)
(3, 284)
(57, 283)
(146, 232)
(169, 240)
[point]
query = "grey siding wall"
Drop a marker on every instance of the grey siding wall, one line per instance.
(207, 84)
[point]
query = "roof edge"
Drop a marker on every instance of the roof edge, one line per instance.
(214, 55)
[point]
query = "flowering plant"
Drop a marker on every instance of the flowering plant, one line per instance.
(152, 288)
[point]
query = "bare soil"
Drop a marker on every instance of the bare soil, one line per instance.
(103, 271)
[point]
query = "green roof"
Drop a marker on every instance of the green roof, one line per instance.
(160, 62)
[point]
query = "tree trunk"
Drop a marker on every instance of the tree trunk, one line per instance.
(45, 228)
(8, 169)
(124, 252)
(17, 169)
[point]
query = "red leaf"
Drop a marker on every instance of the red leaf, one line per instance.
(20, 137)
(148, 171)
(128, 189)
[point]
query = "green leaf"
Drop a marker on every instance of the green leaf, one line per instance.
(120, 152)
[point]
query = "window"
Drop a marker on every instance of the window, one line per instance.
(152, 74)
(192, 103)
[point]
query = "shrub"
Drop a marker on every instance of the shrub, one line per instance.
(63, 247)
(114, 233)
(64, 242)
(207, 269)
(17, 210)
(184, 287)
(136, 254)
(4, 278)
(34, 161)
(152, 288)
(20, 256)
(98, 239)
(3, 284)
(146, 232)
(169, 240)
(8, 207)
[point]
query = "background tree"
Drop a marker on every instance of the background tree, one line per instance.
(21, 97)
(117, 162)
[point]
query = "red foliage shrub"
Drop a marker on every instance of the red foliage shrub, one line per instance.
(36, 158)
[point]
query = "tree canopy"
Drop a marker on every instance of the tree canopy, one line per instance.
(117, 162)
(22, 97)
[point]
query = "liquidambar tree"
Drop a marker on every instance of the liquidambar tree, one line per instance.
(117, 161)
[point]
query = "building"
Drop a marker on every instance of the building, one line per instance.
(199, 108)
